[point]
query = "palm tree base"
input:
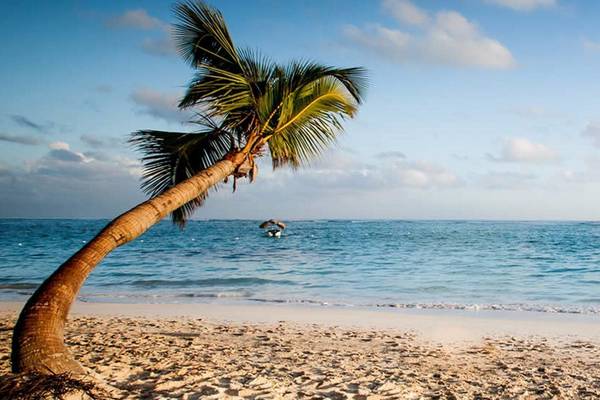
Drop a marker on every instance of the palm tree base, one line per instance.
(56, 361)
(62, 386)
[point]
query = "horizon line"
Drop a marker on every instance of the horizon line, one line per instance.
(322, 219)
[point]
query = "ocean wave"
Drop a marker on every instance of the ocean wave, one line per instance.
(295, 301)
(19, 286)
(567, 270)
(245, 281)
(496, 307)
(220, 295)
(143, 298)
(445, 306)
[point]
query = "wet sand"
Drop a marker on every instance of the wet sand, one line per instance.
(241, 351)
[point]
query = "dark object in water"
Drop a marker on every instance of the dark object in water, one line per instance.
(271, 222)
(274, 227)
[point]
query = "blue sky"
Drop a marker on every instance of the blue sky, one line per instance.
(482, 109)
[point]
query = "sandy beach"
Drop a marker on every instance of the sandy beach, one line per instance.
(192, 351)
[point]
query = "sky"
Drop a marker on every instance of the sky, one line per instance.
(476, 109)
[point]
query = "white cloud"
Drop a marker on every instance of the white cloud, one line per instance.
(424, 175)
(136, 19)
(160, 105)
(342, 184)
(163, 45)
(61, 151)
(59, 146)
(339, 171)
(406, 12)
(61, 160)
(64, 183)
(524, 150)
(524, 5)
(593, 132)
(447, 39)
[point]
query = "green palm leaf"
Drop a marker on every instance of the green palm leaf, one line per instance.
(172, 157)
(202, 36)
(316, 100)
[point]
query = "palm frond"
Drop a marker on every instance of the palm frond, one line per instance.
(302, 73)
(172, 157)
(228, 81)
(309, 119)
(202, 37)
(302, 144)
(218, 90)
(233, 96)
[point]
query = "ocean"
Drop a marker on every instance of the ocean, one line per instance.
(471, 265)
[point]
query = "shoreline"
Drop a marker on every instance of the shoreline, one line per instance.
(447, 326)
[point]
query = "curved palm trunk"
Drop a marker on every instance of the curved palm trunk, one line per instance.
(38, 342)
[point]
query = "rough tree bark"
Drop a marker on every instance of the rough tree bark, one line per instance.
(38, 338)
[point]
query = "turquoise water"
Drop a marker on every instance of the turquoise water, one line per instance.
(544, 266)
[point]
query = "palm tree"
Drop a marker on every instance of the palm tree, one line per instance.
(250, 107)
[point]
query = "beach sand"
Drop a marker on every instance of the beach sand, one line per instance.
(258, 352)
